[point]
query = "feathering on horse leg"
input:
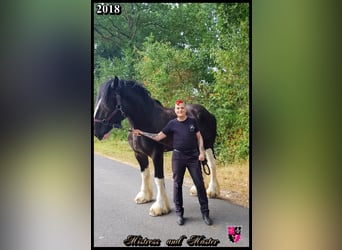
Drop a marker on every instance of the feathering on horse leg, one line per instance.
(146, 193)
(161, 205)
(193, 190)
(213, 189)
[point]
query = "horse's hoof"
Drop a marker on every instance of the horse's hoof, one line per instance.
(193, 191)
(212, 193)
(155, 213)
(142, 198)
(158, 210)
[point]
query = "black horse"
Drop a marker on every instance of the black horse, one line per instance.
(120, 99)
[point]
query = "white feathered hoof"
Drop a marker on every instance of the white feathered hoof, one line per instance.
(143, 197)
(158, 209)
(193, 190)
(213, 192)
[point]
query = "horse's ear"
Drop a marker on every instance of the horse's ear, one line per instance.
(115, 83)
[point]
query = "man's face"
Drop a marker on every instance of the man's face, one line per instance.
(180, 110)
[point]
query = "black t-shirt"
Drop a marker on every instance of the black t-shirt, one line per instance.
(184, 134)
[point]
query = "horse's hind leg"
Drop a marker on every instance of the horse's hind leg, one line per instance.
(146, 192)
(213, 189)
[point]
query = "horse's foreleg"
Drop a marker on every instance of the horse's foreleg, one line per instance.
(161, 205)
(213, 189)
(146, 192)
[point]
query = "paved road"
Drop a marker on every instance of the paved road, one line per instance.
(116, 215)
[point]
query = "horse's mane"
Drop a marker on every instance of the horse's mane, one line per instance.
(105, 94)
(140, 89)
(158, 102)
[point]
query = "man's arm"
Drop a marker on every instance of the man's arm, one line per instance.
(200, 146)
(154, 136)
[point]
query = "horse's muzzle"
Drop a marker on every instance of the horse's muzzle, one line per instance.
(99, 137)
(117, 125)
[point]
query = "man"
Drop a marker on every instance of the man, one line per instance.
(188, 152)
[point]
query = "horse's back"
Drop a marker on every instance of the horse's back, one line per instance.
(206, 123)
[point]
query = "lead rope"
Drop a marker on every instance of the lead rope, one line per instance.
(206, 168)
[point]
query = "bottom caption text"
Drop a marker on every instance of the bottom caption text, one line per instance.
(194, 240)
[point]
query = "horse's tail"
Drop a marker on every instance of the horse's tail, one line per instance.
(213, 152)
(214, 128)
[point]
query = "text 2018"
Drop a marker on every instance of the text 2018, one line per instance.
(108, 9)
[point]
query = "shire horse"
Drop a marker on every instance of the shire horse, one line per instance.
(119, 99)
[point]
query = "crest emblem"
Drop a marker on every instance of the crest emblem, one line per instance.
(192, 128)
(234, 234)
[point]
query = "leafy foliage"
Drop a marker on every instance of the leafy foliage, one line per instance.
(170, 73)
(231, 89)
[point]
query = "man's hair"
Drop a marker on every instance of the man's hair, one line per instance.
(179, 102)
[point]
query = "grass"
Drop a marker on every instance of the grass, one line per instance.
(233, 179)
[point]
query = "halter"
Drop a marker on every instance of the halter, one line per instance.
(118, 108)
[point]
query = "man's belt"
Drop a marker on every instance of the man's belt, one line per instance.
(186, 152)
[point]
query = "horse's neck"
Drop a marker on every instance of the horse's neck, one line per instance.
(146, 117)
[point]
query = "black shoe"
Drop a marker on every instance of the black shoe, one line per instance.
(180, 220)
(207, 220)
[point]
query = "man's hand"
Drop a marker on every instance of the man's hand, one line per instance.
(201, 157)
(153, 136)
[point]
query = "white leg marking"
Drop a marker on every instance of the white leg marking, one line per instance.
(161, 205)
(213, 189)
(97, 107)
(146, 192)
(193, 190)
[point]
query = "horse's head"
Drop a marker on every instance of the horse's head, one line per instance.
(108, 110)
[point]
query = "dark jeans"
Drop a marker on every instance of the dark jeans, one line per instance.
(180, 162)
